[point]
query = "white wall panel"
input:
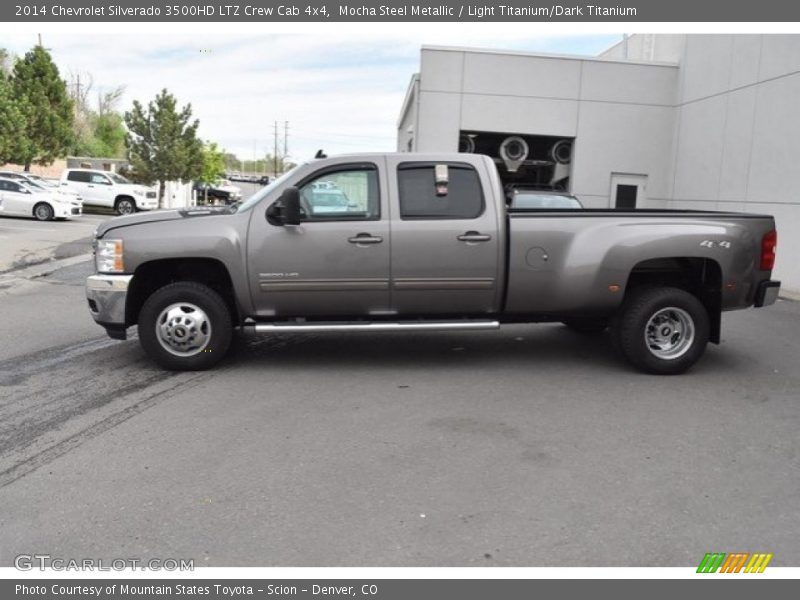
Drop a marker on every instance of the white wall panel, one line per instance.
(519, 115)
(521, 75)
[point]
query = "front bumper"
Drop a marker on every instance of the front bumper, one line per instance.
(106, 295)
(767, 293)
(146, 203)
(66, 211)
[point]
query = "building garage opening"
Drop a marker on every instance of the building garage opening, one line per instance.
(523, 161)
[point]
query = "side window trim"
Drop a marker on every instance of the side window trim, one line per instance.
(341, 168)
(410, 165)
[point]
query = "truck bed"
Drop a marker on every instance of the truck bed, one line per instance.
(571, 261)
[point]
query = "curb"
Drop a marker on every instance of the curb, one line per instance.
(42, 269)
(789, 295)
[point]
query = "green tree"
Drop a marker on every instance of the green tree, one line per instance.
(213, 165)
(162, 141)
(47, 109)
(105, 137)
(5, 62)
(12, 123)
(99, 130)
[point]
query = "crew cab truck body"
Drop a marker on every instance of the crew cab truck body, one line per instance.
(425, 242)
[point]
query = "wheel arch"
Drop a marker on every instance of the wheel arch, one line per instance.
(124, 196)
(153, 275)
(701, 277)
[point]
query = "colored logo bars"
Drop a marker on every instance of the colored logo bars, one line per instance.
(734, 563)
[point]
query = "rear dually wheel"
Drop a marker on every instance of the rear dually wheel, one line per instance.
(661, 330)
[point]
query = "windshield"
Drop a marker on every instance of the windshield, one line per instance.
(117, 178)
(255, 198)
(35, 185)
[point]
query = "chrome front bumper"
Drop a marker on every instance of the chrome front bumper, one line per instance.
(106, 295)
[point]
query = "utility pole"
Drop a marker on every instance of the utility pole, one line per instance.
(285, 139)
(275, 151)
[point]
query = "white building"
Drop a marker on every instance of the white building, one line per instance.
(657, 121)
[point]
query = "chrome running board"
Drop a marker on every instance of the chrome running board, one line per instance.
(370, 326)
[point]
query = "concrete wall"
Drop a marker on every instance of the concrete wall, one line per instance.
(407, 124)
(621, 113)
(713, 121)
(52, 171)
(737, 143)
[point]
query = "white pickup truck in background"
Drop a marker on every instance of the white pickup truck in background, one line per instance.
(109, 190)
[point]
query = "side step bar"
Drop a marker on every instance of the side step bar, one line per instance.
(370, 326)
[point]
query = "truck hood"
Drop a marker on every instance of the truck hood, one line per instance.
(158, 216)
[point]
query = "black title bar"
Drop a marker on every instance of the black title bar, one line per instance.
(594, 11)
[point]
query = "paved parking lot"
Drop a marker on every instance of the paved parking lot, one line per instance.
(26, 241)
(529, 446)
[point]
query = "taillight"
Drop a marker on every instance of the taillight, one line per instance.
(768, 243)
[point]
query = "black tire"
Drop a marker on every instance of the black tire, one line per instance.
(672, 341)
(125, 206)
(215, 314)
(587, 325)
(43, 212)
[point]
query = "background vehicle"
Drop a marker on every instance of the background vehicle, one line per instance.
(20, 199)
(109, 190)
(426, 242)
(523, 198)
(41, 184)
(220, 190)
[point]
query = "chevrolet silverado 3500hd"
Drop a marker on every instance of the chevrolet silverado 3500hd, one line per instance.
(388, 242)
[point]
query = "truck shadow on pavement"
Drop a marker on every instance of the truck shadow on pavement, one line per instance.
(535, 348)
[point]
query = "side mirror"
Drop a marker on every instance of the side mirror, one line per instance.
(286, 210)
(291, 206)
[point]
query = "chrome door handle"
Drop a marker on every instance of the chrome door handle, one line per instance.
(474, 236)
(365, 238)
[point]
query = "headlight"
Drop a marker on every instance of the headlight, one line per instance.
(108, 256)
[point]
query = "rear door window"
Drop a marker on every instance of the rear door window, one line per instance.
(422, 197)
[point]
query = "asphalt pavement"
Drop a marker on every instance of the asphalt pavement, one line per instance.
(25, 242)
(527, 446)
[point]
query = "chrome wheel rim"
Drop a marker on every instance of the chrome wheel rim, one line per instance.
(183, 329)
(125, 207)
(42, 212)
(669, 333)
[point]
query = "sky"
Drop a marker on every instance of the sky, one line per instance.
(339, 91)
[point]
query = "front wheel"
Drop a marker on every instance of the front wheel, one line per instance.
(43, 212)
(125, 206)
(663, 331)
(185, 326)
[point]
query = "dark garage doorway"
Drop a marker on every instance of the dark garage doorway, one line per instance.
(626, 196)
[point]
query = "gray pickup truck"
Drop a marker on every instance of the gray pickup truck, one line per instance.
(410, 242)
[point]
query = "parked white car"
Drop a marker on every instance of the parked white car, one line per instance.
(18, 199)
(40, 183)
(109, 190)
